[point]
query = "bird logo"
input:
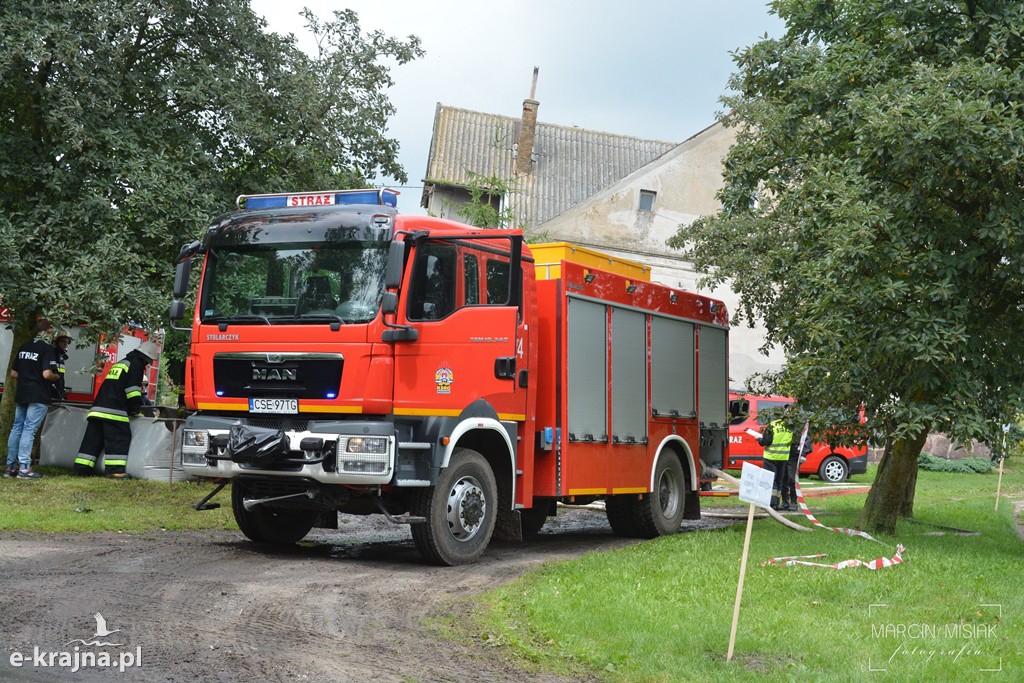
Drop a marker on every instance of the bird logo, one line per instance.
(101, 632)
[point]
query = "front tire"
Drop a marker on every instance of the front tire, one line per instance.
(834, 470)
(262, 524)
(460, 510)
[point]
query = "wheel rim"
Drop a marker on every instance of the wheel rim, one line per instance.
(668, 494)
(467, 508)
(834, 471)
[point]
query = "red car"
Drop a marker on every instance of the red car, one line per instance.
(831, 464)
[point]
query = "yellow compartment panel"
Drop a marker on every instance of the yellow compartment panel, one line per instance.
(548, 259)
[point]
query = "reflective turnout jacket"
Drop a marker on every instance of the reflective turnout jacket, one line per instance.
(782, 438)
(120, 395)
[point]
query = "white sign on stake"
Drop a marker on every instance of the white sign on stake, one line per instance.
(755, 488)
(756, 485)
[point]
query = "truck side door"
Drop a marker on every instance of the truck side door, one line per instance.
(459, 302)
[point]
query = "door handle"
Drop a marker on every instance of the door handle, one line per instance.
(505, 367)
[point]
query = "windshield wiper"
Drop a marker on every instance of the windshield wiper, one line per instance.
(243, 318)
(333, 317)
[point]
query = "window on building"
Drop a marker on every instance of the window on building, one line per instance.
(647, 200)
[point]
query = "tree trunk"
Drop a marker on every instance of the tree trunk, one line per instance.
(892, 494)
(24, 330)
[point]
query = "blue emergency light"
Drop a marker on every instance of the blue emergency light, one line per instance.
(382, 197)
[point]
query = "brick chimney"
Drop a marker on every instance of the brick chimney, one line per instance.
(527, 129)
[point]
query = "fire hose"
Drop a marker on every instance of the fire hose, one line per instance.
(774, 514)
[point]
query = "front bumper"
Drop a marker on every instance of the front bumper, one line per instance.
(328, 451)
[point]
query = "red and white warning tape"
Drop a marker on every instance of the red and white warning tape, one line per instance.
(877, 563)
(840, 529)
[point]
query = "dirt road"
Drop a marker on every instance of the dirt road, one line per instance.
(210, 606)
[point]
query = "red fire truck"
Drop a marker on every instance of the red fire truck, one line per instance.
(346, 358)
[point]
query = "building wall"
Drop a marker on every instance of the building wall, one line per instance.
(685, 180)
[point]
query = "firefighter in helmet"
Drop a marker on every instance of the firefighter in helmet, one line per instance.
(108, 430)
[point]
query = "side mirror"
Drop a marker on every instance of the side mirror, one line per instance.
(177, 309)
(396, 260)
(187, 251)
(389, 303)
(181, 273)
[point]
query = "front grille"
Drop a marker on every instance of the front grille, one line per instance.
(281, 375)
(285, 424)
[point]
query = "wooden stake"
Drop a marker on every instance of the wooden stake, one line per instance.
(1002, 457)
(739, 586)
(999, 483)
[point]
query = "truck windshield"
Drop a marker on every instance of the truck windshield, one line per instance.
(278, 283)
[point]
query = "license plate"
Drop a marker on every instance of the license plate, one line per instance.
(287, 406)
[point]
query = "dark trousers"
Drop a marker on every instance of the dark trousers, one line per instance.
(110, 437)
(789, 481)
(777, 467)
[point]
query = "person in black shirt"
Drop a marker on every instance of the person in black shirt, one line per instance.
(35, 369)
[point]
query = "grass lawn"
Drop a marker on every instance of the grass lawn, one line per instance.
(62, 502)
(662, 610)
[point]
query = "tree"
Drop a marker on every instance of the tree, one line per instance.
(872, 217)
(126, 125)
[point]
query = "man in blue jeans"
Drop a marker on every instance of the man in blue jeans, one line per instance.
(36, 369)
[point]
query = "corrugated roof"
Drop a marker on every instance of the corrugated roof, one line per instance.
(569, 164)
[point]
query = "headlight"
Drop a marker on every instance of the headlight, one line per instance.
(367, 444)
(365, 455)
(195, 444)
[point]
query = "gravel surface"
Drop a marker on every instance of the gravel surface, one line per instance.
(211, 606)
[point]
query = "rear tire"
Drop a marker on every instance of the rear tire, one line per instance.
(461, 511)
(654, 514)
(621, 515)
(660, 512)
(263, 524)
(834, 470)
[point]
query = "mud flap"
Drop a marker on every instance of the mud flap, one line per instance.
(691, 505)
(508, 527)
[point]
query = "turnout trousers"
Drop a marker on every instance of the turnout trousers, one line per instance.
(111, 437)
(777, 468)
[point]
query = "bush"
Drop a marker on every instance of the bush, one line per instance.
(927, 461)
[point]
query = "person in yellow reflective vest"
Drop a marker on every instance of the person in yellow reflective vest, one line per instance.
(108, 430)
(776, 441)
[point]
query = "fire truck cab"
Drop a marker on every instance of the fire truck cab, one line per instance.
(346, 358)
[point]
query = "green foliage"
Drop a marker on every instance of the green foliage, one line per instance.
(484, 208)
(872, 210)
(126, 126)
(932, 463)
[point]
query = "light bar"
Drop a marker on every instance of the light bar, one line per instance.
(382, 197)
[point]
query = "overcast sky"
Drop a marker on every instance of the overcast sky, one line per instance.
(649, 68)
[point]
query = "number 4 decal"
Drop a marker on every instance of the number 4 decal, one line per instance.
(519, 347)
